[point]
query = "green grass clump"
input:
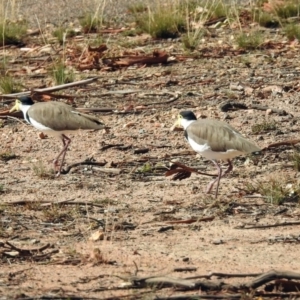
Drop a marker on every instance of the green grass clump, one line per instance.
(61, 74)
(12, 33)
(249, 41)
(265, 19)
(290, 8)
(295, 159)
(265, 126)
(276, 190)
(41, 171)
(62, 33)
(7, 155)
(8, 85)
(162, 22)
(292, 31)
(138, 7)
(90, 23)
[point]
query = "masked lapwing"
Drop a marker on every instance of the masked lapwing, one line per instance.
(215, 140)
(57, 119)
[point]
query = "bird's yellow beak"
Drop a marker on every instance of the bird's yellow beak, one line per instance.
(16, 106)
(177, 125)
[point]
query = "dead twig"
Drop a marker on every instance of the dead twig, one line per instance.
(51, 89)
(190, 221)
(230, 105)
(267, 225)
(283, 143)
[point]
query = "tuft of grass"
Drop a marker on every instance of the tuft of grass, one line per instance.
(163, 21)
(61, 74)
(55, 214)
(9, 85)
(2, 188)
(90, 23)
(265, 126)
(295, 158)
(41, 171)
(62, 33)
(7, 155)
(191, 40)
(292, 31)
(265, 19)
(249, 41)
(287, 9)
(276, 190)
(12, 33)
(138, 7)
(147, 167)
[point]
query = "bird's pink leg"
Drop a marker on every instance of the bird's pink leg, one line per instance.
(66, 142)
(220, 175)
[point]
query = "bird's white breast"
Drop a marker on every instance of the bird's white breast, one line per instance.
(205, 150)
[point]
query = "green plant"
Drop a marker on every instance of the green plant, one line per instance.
(61, 74)
(162, 21)
(287, 9)
(292, 31)
(90, 23)
(62, 33)
(249, 41)
(147, 167)
(12, 33)
(138, 7)
(7, 155)
(265, 19)
(42, 172)
(295, 158)
(191, 40)
(55, 214)
(9, 85)
(276, 190)
(265, 126)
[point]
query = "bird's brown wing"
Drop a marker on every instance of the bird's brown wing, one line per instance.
(60, 117)
(220, 136)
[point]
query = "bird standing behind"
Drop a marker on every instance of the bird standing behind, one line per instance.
(57, 119)
(214, 140)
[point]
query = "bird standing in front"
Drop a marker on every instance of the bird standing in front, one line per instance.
(215, 140)
(56, 118)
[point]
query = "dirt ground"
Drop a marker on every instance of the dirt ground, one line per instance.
(130, 219)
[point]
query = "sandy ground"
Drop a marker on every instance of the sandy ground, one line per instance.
(135, 212)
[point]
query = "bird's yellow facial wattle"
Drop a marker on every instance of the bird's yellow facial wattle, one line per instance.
(178, 121)
(16, 107)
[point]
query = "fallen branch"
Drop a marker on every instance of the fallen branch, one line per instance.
(190, 221)
(230, 105)
(51, 89)
(283, 143)
(267, 225)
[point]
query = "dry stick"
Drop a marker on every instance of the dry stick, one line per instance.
(283, 143)
(200, 297)
(28, 250)
(51, 89)
(226, 275)
(190, 221)
(229, 105)
(24, 202)
(175, 97)
(268, 226)
(89, 163)
(271, 275)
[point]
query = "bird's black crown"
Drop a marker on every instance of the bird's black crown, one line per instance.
(188, 115)
(26, 100)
